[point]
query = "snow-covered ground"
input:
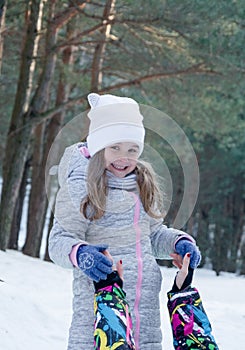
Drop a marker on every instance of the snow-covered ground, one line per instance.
(36, 296)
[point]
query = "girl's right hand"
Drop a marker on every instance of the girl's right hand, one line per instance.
(94, 262)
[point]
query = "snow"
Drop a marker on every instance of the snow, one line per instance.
(36, 304)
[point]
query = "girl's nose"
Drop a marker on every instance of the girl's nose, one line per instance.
(122, 160)
(122, 156)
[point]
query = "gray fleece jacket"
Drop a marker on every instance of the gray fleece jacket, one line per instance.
(132, 235)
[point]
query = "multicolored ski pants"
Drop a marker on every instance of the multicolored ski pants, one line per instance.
(113, 323)
(190, 325)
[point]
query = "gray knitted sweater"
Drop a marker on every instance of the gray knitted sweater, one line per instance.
(132, 235)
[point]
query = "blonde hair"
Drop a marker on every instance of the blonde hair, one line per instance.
(94, 204)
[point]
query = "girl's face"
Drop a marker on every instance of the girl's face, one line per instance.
(121, 158)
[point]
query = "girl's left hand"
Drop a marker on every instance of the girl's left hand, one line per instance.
(184, 246)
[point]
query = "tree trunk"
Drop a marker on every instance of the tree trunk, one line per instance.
(3, 8)
(51, 220)
(12, 178)
(63, 92)
(241, 244)
(217, 256)
(234, 214)
(15, 229)
(18, 139)
(45, 135)
(203, 238)
(242, 255)
(98, 58)
(37, 200)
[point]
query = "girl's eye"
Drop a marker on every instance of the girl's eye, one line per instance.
(133, 150)
(115, 148)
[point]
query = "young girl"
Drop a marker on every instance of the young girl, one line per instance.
(109, 202)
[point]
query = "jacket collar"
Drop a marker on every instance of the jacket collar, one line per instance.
(126, 183)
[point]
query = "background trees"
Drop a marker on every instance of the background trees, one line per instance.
(184, 58)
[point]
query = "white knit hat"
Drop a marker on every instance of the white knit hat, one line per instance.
(114, 119)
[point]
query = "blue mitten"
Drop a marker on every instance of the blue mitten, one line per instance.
(184, 246)
(93, 262)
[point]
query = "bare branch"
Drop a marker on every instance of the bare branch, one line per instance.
(74, 40)
(63, 17)
(122, 20)
(196, 69)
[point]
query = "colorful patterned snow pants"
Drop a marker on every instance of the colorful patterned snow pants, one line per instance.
(190, 325)
(113, 324)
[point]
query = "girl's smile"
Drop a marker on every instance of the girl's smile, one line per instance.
(121, 158)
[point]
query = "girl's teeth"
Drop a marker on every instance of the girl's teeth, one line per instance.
(119, 167)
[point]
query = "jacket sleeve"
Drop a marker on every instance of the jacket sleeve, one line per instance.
(163, 239)
(189, 321)
(69, 228)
